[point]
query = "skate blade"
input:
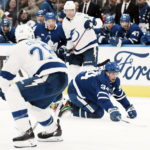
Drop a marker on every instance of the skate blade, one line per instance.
(51, 139)
(25, 144)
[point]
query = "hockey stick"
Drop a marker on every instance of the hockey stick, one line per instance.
(103, 63)
(128, 122)
(73, 49)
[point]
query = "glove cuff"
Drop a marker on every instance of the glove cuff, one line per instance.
(110, 110)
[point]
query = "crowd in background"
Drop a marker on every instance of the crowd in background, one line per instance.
(27, 11)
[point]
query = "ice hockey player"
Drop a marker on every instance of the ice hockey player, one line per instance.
(89, 93)
(40, 16)
(47, 79)
(82, 46)
(108, 31)
(7, 32)
(51, 33)
(131, 33)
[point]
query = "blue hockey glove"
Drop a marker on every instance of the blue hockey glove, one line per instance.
(114, 114)
(68, 57)
(88, 24)
(100, 38)
(115, 41)
(131, 112)
(145, 39)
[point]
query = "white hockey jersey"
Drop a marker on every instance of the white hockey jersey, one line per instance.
(74, 29)
(34, 57)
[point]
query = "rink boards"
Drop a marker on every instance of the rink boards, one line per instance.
(134, 61)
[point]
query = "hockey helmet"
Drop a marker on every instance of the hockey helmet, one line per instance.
(69, 5)
(24, 32)
(50, 15)
(125, 18)
(40, 13)
(109, 19)
(5, 22)
(112, 67)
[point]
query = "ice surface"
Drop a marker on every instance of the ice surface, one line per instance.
(90, 134)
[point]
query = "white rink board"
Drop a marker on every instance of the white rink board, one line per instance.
(133, 61)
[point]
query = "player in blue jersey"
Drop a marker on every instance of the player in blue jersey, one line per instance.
(109, 30)
(40, 16)
(89, 93)
(51, 33)
(47, 78)
(130, 33)
(7, 32)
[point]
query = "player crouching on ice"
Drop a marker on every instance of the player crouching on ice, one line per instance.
(47, 79)
(89, 93)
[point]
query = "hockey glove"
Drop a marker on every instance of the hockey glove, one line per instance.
(115, 41)
(100, 38)
(88, 24)
(114, 114)
(131, 112)
(145, 39)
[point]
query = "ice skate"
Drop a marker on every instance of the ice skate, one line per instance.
(66, 110)
(48, 136)
(25, 140)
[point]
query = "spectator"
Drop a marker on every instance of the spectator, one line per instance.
(47, 6)
(110, 8)
(60, 12)
(23, 4)
(32, 9)
(39, 2)
(11, 7)
(24, 18)
(130, 33)
(90, 8)
(77, 5)
(127, 7)
(40, 16)
(144, 17)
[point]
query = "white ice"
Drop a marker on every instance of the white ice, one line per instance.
(90, 134)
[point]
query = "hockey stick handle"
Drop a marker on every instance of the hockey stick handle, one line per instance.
(103, 63)
(73, 49)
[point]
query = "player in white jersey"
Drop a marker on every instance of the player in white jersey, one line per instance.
(81, 38)
(47, 79)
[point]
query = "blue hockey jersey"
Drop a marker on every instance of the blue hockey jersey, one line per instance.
(8, 37)
(132, 36)
(114, 32)
(95, 86)
(55, 38)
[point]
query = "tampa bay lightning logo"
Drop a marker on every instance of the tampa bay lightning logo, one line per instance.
(74, 35)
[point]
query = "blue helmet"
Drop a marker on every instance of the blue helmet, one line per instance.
(112, 67)
(125, 18)
(50, 15)
(40, 13)
(5, 22)
(109, 19)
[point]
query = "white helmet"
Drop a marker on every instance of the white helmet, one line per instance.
(23, 32)
(69, 5)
